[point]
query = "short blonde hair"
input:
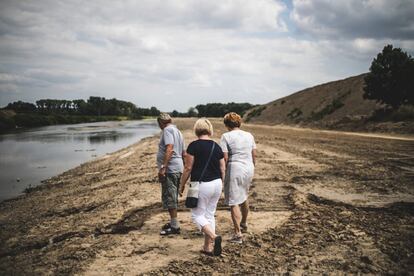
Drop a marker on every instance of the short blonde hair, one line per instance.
(203, 127)
(232, 120)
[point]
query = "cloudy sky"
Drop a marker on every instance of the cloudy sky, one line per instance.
(174, 54)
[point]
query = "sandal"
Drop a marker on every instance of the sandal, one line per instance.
(236, 239)
(208, 253)
(243, 227)
(170, 231)
(217, 246)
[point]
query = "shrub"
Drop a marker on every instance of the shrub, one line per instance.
(403, 113)
(328, 109)
(6, 122)
(255, 112)
(295, 113)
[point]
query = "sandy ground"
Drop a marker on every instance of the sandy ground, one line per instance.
(322, 202)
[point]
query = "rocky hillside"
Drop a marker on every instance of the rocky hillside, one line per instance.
(325, 105)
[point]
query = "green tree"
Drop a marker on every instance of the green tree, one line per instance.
(391, 78)
(219, 109)
(21, 107)
(96, 105)
(154, 111)
(79, 106)
(192, 112)
(175, 114)
(41, 105)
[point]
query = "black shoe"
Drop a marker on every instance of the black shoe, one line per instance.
(170, 231)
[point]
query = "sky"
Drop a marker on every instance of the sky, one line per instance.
(174, 54)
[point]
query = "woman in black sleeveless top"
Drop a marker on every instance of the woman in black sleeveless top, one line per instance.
(211, 182)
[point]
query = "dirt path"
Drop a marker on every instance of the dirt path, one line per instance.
(403, 137)
(321, 202)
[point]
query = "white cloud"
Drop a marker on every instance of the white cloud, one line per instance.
(355, 18)
(178, 53)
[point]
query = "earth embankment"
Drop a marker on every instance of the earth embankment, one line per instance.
(321, 202)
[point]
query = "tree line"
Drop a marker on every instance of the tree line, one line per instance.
(99, 106)
(214, 110)
(94, 106)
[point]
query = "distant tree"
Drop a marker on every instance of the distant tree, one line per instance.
(79, 106)
(95, 106)
(202, 110)
(154, 111)
(175, 113)
(21, 107)
(192, 112)
(391, 78)
(41, 105)
(219, 109)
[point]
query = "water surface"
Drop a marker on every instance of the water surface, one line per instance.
(30, 156)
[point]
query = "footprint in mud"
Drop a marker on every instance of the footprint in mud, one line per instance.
(144, 250)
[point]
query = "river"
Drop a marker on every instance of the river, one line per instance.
(32, 155)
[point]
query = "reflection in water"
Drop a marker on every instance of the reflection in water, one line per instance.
(29, 156)
(112, 136)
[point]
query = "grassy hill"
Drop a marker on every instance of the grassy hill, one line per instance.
(333, 105)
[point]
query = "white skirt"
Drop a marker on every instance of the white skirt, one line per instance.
(238, 179)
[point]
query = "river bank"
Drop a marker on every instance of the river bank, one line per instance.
(321, 202)
(29, 156)
(10, 120)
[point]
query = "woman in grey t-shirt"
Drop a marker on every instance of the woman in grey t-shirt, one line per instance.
(239, 150)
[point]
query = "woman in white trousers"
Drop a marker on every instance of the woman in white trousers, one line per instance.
(204, 162)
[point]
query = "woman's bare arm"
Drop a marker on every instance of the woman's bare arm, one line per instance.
(226, 157)
(222, 169)
(254, 156)
(188, 166)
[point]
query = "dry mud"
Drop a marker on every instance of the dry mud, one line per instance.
(322, 202)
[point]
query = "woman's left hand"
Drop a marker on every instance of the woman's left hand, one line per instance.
(181, 191)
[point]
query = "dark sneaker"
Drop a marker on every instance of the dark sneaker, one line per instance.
(170, 231)
(166, 226)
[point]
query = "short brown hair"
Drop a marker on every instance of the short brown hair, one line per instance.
(164, 118)
(203, 127)
(232, 120)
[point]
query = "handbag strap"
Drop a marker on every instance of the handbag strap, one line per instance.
(208, 161)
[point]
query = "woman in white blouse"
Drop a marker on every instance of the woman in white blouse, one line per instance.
(239, 150)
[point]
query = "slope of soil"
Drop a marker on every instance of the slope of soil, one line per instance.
(322, 202)
(323, 104)
(334, 105)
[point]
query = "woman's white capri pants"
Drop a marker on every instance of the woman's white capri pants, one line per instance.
(209, 195)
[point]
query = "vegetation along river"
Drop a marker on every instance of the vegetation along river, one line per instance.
(32, 155)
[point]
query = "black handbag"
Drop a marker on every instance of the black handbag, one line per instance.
(191, 200)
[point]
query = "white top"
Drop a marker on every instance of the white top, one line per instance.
(239, 144)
